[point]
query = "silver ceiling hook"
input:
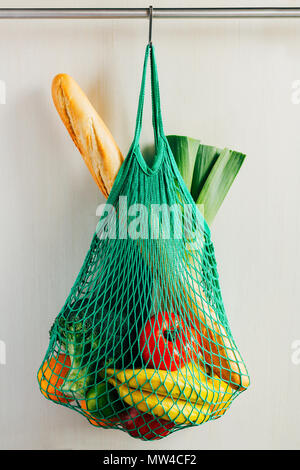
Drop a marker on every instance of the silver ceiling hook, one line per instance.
(150, 24)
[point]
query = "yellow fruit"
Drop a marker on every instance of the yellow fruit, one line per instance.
(165, 407)
(189, 383)
(183, 396)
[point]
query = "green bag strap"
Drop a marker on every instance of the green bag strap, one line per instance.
(155, 95)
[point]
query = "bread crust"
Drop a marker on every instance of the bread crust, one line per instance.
(87, 130)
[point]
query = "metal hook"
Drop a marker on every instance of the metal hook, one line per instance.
(150, 25)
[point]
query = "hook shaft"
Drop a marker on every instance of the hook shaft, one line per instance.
(150, 24)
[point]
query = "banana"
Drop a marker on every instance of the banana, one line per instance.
(180, 384)
(188, 383)
(186, 395)
(166, 407)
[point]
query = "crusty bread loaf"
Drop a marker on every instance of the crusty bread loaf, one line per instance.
(89, 133)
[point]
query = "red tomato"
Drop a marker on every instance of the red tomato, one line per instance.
(167, 343)
(144, 425)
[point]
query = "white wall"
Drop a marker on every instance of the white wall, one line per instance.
(227, 82)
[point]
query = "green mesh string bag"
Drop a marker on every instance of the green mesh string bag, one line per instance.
(142, 343)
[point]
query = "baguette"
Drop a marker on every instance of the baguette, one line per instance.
(87, 130)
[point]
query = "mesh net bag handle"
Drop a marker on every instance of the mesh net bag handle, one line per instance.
(143, 343)
(156, 109)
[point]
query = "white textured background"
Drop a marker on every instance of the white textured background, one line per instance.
(227, 82)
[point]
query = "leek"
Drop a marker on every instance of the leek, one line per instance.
(218, 183)
(207, 171)
(185, 151)
(206, 158)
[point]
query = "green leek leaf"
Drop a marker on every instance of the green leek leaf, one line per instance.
(184, 150)
(218, 182)
(208, 172)
(205, 160)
